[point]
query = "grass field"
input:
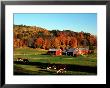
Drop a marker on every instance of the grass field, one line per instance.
(38, 61)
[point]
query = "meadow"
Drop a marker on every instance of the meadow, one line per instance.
(39, 60)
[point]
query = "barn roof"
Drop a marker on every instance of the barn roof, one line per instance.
(54, 49)
(71, 50)
(83, 48)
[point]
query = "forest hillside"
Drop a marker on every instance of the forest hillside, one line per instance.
(37, 37)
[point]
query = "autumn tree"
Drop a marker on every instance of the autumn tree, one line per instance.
(38, 42)
(37, 37)
(73, 42)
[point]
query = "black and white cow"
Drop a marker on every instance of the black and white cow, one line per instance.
(23, 60)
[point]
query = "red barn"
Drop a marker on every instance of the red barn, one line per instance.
(56, 52)
(83, 51)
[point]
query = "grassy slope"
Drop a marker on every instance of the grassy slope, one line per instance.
(36, 55)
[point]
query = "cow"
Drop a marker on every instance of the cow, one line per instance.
(59, 68)
(23, 60)
(19, 59)
(51, 67)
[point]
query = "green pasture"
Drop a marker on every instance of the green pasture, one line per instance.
(38, 55)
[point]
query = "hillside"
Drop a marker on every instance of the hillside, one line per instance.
(37, 37)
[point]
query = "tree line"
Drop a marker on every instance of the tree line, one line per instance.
(37, 37)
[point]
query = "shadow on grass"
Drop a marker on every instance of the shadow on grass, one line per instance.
(69, 67)
(43, 72)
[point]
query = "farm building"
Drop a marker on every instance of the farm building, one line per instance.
(56, 52)
(76, 51)
(72, 52)
(82, 51)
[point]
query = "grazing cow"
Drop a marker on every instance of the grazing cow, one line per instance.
(61, 69)
(19, 59)
(51, 67)
(25, 60)
(22, 60)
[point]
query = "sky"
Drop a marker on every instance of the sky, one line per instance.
(86, 22)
